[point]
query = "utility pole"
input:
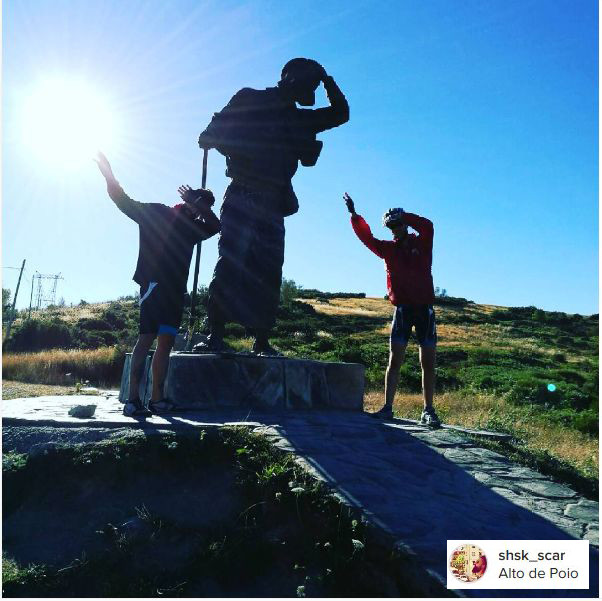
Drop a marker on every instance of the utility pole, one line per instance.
(12, 311)
(31, 296)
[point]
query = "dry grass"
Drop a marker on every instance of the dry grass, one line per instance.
(373, 307)
(241, 344)
(478, 411)
(57, 366)
(17, 390)
(73, 314)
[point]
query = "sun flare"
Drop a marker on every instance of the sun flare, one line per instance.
(66, 121)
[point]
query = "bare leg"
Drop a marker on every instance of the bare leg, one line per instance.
(427, 362)
(139, 354)
(396, 357)
(160, 363)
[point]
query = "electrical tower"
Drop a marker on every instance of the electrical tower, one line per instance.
(45, 294)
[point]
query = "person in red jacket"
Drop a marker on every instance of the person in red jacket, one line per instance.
(408, 259)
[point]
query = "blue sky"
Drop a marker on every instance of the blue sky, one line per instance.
(482, 116)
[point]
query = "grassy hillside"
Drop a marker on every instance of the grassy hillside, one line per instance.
(521, 370)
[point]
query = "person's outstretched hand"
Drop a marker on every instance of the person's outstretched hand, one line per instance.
(187, 194)
(104, 166)
(349, 202)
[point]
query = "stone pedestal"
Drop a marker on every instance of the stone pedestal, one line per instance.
(203, 381)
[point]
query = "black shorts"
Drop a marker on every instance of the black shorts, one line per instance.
(160, 310)
(421, 317)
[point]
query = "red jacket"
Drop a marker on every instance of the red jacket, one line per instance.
(408, 265)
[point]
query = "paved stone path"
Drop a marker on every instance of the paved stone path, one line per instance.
(418, 487)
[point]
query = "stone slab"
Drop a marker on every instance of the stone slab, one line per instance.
(197, 381)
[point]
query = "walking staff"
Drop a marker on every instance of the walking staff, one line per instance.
(197, 261)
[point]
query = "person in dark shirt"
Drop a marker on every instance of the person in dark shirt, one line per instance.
(167, 239)
(263, 136)
(408, 260)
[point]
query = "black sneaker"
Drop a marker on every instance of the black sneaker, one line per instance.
(429, 418)
(135, 408)
(385, 413)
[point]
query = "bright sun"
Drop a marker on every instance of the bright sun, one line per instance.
(65, 122)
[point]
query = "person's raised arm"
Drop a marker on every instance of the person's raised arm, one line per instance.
(124, 203)
(423, 226)
(363, 232)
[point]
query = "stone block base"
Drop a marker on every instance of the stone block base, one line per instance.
(203, 381)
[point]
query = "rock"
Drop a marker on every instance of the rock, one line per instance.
(547, 488)
(585, 511)
(488, 455)
(592, 534)
(82, 411)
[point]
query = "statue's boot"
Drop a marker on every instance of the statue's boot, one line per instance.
(262, 346)
(214, 344)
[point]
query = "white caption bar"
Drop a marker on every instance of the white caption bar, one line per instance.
(518, 564)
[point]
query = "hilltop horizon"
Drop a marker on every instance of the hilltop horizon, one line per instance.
(307, 291)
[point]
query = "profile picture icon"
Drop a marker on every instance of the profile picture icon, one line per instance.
(468, 563)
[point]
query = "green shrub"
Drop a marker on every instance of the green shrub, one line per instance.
(350, 351)
(36, 334)
(451, 356)
(92, 323)
(410, 378)
(288, 291)
(534, 390)
(453, 301)
(585, 421)
(445, 379)
(569, 375)
(115, 317)
(530, 391)
(322, 345)
(319, 295)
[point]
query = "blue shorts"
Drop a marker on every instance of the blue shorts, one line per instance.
(160, 310)
(421, 317)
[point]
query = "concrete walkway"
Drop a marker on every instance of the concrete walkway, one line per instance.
(416, 486)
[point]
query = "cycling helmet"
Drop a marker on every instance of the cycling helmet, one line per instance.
(393, 217)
